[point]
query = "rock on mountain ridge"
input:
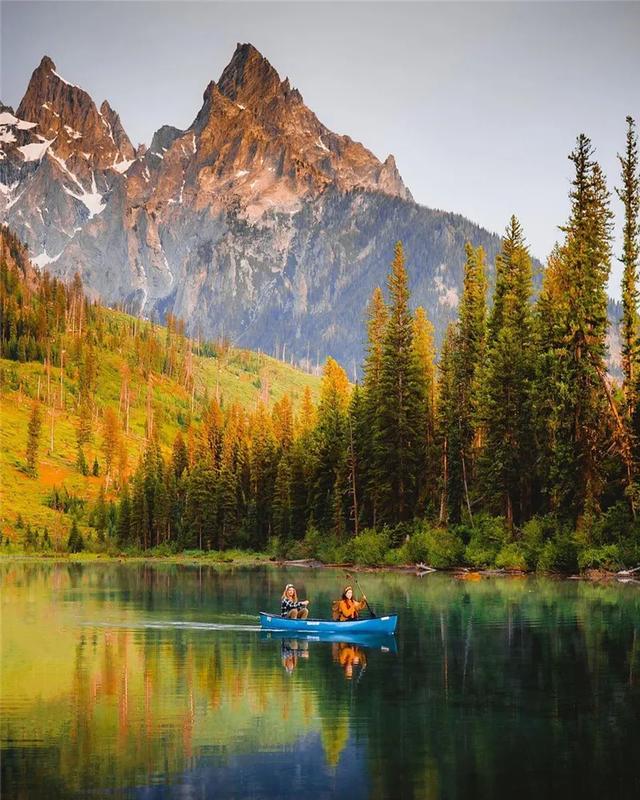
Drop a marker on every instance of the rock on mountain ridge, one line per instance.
(256, 222)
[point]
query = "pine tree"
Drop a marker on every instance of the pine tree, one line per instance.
(571, 387)
(467, 356)
(329, 443)
(81, 462)
(306, 418)
(301, 478)
(124, 517)
(399, 433)
(629, 194)
(100, 514)
(446, 419)
(425, 354)
(263, 474)
(33, 440)
(358, 437)
(282, 499)
(200, 518)
(110, 439)
(179, 457)
(505, 413)
(84, 426)
(283, 422)
(377, 318)
(75, 543)
(137, 532)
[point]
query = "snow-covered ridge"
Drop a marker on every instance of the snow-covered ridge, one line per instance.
(63, 80)
(7, 119)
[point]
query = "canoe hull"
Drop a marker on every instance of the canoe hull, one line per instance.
(274, 622)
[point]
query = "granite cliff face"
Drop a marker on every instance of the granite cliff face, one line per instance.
(256, 222)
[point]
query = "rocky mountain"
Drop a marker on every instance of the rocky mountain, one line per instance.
(257, 222)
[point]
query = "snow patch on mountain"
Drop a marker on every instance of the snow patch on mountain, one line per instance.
(35, 150)
(93, 200)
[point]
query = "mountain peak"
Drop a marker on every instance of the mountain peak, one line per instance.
(248, 75)
(68, 119)
(46, 64)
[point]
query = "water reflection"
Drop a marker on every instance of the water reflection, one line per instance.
(291, 650)
(139, 680)
(350, 657)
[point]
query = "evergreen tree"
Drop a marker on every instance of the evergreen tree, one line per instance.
(399, 433)
(301, 470)
(75, 543)
(571, 386)
(282, 499)
(507, 461)
(263, 475)
(200, 518)
(377, 317)
(124, 517)
(228, 489)
(100, 514)
(358, 438)
(137, 514)
(446, 420)
(467, 356)
(306, 418)
(110, 439)
(179, 457)
(329, 443)
(629, 194)
(425, 353)
(81, 462)
(33, 440)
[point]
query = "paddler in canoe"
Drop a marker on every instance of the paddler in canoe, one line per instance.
(347, 608)
(290, 606)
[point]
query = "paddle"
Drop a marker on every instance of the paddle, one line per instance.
(355, 579)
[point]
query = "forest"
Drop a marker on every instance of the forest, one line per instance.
(512, 447)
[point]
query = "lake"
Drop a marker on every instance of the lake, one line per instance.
(153, 681)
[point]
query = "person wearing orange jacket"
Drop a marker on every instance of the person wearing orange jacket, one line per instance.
(348, 607)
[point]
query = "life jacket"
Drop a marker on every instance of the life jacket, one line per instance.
(348, 611)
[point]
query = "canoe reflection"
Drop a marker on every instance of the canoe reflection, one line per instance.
(349, 654)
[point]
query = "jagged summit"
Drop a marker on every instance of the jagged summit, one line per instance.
(257, 218)
(249, 76)
(47, 64)
(69, 120)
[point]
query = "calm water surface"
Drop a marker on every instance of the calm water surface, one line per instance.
(154, 682)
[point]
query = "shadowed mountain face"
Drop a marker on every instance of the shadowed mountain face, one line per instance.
(257, 222)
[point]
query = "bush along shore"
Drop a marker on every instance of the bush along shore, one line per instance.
(543, 546)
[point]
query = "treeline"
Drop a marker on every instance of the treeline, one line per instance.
(516, 434)
(512, 447)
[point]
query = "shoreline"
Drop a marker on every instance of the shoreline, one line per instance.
(254, 560)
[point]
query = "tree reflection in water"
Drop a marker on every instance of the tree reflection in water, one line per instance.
(152, 680)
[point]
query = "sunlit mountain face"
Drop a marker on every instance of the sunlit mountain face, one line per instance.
(256, 223)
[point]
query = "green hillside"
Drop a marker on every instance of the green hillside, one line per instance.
(165, 375)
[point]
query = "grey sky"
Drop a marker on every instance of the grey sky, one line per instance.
(479, 102)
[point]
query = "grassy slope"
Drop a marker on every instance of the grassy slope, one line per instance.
(239, 377)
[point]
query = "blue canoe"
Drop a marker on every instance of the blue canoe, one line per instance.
(274, 622)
